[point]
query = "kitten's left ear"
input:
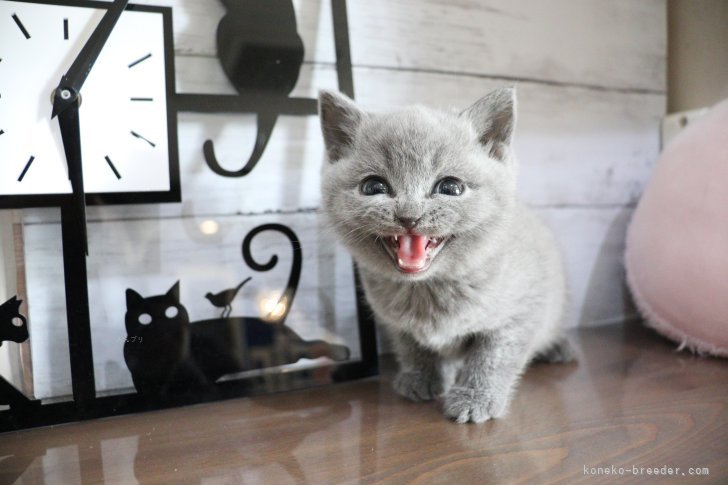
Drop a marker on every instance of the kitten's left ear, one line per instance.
(494, 118)
(340, 118)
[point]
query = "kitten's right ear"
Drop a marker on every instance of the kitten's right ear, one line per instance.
(133, 299)
(340, 118)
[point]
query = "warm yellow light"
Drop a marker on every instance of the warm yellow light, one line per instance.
(209, 227)
(271, 309)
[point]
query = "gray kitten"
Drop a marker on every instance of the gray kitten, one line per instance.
(466, 279)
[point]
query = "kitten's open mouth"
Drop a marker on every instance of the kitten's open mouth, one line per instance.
(413, 253)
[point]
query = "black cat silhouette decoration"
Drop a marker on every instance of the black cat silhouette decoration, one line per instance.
(168, 355)
(13, 328)
(13, 325)
(261, 53)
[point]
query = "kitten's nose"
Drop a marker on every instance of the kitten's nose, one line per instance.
(408, 222)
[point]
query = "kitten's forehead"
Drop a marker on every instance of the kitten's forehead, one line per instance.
(415, 139)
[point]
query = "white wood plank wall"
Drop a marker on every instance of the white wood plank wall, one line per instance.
(590, 76)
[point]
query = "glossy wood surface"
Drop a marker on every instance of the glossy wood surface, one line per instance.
(631, 401)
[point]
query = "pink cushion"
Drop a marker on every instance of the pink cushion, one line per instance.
(677, 242)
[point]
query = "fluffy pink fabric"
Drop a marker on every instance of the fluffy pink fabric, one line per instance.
(677, 243)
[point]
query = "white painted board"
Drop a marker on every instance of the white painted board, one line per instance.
(617, 44)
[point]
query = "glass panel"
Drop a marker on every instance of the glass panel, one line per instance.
(180, 287)
(34, 355)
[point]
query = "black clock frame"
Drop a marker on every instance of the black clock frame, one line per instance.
(86, 404)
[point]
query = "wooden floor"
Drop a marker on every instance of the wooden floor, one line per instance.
(632, 402)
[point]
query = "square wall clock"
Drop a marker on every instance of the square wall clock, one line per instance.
(127, 126)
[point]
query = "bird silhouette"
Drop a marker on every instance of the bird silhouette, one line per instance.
(225, 298)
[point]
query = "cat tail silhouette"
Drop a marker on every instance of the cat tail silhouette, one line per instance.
(266, 123)
(286, 299)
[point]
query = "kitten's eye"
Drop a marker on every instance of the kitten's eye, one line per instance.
(449, 186)
(171, 312)
(17, 322)
(144, 319)
(374, 186)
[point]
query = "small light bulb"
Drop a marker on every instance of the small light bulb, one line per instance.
(271, 309)
(209, 227)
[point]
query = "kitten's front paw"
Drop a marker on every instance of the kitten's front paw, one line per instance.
(464, 404)
(417, 386)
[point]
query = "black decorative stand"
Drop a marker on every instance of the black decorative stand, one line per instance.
(268, 98)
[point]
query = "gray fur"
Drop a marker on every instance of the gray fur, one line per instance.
(493, 297)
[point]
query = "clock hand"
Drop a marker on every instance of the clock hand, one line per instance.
(68, 89)
(71, 134)
(66, 104)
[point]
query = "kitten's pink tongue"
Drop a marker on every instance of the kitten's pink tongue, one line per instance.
(412, 253)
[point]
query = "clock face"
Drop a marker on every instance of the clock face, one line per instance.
(128, 138)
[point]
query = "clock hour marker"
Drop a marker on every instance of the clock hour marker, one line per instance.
(65, 29)
(139, 60)
(142, 99)
(137, 135)
(21, 26)
(25, 170)
(113, 168)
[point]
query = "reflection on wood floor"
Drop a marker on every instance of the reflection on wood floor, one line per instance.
(630, 401)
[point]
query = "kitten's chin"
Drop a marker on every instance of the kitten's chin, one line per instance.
(413, 254)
